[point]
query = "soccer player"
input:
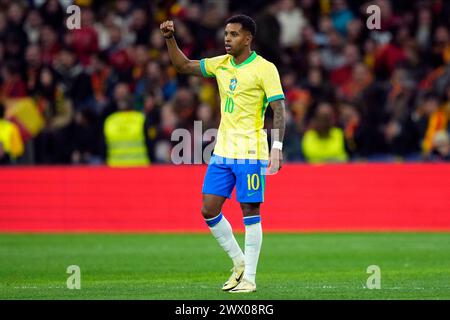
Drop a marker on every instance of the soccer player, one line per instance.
(247, 84)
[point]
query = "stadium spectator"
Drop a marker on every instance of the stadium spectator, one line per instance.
(15, 33)
(120, 98)
(13, 85)
(124, 137)
(440, 50)
(344, 73)
(123, 9)
(299, 99)
(140, 59)
(292, 148)
(152, 110)
(437, 117)
(324, 142)
(350, 122)
(11, 144)
(33, 60)
(106, 21)
(292, 22)
(389, 55)
(49, 44)
(441, 146)
(85, 134)
(332, 54)
(185, 106)
(267, 39)
(150, 82)
(3, 26)
(33, 25)
(52, 144)
(139, 26)
(341, 16)
(75, 80)
(360, 78)
(356, 32)
(117, 54)
(389, 18)
(205, 114)
(84, 41)
(169, 122)
(103, 80)
(52, 13)
(424, 29)
(400, 134)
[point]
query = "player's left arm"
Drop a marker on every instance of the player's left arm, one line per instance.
(279, 125)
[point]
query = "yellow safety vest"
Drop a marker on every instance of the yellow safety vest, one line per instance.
(11, 139)
(331, 149)
(125, 139)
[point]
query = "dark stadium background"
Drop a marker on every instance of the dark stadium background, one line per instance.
(389, 89)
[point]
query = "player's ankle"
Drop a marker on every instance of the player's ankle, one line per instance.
(239, 263)
(249, 277)
(250, 280)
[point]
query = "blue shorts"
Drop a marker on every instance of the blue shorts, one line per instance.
(247, 175)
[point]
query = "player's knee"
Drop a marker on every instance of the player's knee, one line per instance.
(247, 212)
(250, 210)
(208, 212)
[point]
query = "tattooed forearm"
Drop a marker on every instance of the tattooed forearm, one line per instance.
(279, 121)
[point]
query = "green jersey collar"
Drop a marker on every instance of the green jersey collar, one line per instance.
(246, 61)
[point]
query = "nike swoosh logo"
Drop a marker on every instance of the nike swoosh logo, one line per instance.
(250, 194)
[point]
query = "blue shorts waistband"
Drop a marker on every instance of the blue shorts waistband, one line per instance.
(223, 160)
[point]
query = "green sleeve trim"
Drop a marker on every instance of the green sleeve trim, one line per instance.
(264, 106)
(277, 97)
(203, 69)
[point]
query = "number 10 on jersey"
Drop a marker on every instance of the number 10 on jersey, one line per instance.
(229, 105)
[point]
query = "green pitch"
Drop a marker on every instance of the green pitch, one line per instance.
(192, 266)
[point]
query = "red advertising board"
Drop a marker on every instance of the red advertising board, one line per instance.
(351, 197)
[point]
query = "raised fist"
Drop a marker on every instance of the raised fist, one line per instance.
(167, 29)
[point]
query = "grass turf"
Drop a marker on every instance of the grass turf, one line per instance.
(192, 266)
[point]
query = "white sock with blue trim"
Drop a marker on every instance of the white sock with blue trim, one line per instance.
(222, 231)
(253, 242)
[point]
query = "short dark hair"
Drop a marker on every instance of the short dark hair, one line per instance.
(246, 22)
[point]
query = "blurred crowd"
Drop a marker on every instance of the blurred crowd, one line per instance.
(352, 94)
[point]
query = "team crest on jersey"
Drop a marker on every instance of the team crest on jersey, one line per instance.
(233, 83)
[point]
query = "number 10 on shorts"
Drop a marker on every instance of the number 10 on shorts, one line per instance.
(253, 181)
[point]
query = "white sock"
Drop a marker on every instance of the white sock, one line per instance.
(222, 231)
(253, 241)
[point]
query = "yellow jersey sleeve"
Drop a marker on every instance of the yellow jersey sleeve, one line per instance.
(209, 66)
(271, 84)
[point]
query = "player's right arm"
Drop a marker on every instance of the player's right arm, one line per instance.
(181, 63)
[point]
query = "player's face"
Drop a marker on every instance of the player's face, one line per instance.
(236, 38)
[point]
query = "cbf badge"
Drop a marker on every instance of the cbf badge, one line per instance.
(233, 83)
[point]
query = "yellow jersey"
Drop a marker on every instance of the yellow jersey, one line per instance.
(245, 91)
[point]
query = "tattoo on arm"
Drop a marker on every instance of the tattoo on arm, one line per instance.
(193, 68)
(279, 119)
